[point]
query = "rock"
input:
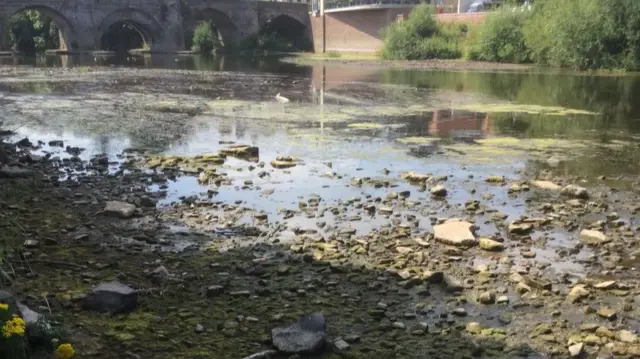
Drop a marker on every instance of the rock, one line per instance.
(538, 283)
(284, 162)
(577, 293)
(341, 344)
(459, 312)
(574, 191)
(241, 151)
(160, 274)
(605, 333)
(607, 313)
(610, 284)
(199, 329)
(522, 288)
(31, 243)
(503, 299)
(627, 336)
(456, 233)
(520, 228)
(593, 238)
(474, 327)
(495, 179)
(545, 185)
(398, 325)
(113, 297)
(415, 177)
(451, 284)
(489, 244)
(56, 143)
(576, 350)
(487, 298)
(307, 335)
(15, 172)
(554, 161)
(119, 209)
(438, 191)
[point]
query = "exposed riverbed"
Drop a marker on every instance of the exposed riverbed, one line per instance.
(341, 205)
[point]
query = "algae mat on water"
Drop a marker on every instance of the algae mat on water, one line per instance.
(524, 108)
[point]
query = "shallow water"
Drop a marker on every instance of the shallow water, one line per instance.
(343, 122)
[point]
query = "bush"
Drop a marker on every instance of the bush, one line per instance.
(205, 40)
(587, 34)
(422, 37)
(500, 38)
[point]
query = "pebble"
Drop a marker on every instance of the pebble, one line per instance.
(199, 328)
(576, 350)
(438, 191)
(398, 325)
(607, 313)
(341, 344)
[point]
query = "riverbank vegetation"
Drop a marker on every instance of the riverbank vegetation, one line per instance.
(31, 32)
(584, 35)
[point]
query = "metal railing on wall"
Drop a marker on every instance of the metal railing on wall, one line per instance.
(335, 4)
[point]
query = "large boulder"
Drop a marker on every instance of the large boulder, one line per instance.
(455, 233)
(113, 297)
(307, 335)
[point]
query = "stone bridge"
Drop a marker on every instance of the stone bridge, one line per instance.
(162, 24)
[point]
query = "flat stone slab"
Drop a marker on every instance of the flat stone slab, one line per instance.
(545, 185)
(593, 238)
(113, 297)
(307, 335)
(455, 233)
(119, 209)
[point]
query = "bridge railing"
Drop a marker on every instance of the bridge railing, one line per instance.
(336, 4)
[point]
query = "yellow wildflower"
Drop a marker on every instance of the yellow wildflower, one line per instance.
(65, 351)
(4, 306)
(14, 326)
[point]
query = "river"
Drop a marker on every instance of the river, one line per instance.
(354, 131)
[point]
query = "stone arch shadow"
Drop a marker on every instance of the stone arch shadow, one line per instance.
(68, 35)
(291, 28)
(148, 28)
(228, 33)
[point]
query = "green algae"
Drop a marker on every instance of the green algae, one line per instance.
(525, 108)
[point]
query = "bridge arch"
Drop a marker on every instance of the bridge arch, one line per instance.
(226, 30)
(144, 24)
(290, 28)
(67, 34)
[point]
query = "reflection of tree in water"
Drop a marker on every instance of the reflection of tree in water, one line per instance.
(225, 129)
(613, 96)
(240, 129)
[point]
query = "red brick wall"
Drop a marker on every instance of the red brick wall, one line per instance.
(473, 18)
(359, 31)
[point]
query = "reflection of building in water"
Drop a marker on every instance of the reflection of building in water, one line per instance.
(458, 123)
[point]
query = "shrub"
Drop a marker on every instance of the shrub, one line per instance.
(422, 37)
(587, 34)
(205, 40)
(500, 38)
